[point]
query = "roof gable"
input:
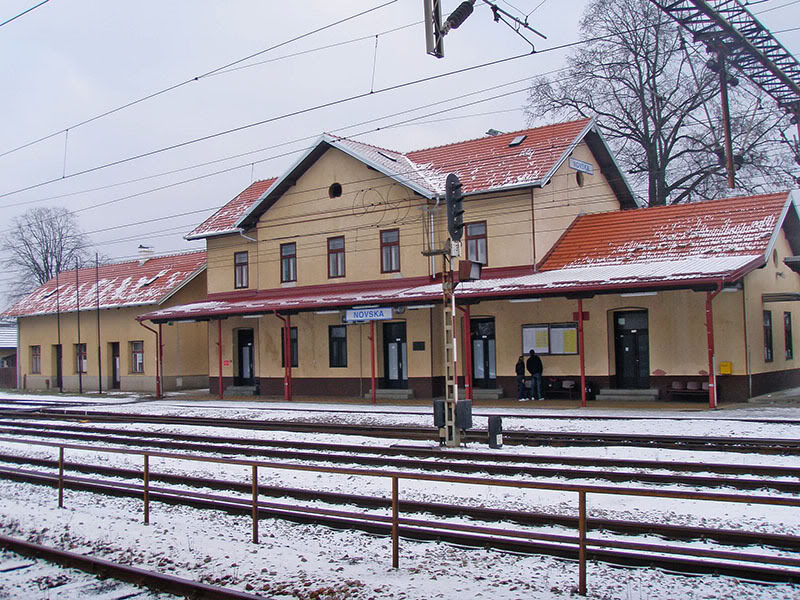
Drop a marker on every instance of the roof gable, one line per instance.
(116, 285)
(483, 165)
(745, 226)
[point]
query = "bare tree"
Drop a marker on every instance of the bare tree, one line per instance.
(42, 242)
(657, 101)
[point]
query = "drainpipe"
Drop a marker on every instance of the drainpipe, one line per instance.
(467, 351)
(219, 356)
(712, 373)
(247, 237)
(158, 372)
(581, 353)
(287, 356)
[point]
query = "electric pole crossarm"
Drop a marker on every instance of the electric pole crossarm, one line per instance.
(749, 46)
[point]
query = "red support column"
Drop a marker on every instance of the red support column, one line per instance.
(712, 374)
(161, 356)
(581, 353)
(289, 355)
(372, 356)
(219, 356)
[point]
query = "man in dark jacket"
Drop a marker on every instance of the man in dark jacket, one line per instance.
(535, 368)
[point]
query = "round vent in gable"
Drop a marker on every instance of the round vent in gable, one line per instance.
(335, 190)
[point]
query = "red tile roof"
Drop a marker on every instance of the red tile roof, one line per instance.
(224, 220)
(133, 283)
(488, 163)
(712, 229)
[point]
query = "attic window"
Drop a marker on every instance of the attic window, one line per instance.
(386, 156)
(517, 141)
(335, 190)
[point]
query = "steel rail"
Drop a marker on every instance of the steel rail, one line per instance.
(460, 466)
(470, 535)
(751, 445)
(435, 452)
(676, 532)
(106, 568)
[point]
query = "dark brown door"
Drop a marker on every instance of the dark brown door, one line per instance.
(632, 349)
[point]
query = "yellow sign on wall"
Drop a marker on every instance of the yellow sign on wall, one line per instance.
(726, 368)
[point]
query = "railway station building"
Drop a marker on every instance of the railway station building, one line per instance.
(79, 331)
(326, 279)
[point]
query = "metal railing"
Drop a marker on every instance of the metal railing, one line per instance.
(583, 542)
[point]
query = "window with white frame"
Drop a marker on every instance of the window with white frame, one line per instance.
(137, 357)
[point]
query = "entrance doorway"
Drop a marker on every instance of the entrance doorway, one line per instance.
(395, 363)
(114, 353)
(58, 374)
(632, 349)
(484, 369)
(244, 343)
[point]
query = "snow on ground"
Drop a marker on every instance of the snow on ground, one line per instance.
(299, 561)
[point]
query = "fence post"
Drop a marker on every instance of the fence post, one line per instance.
(146, 494)
(582, 543)
(61, 477)
(395, 532)
(255, 504)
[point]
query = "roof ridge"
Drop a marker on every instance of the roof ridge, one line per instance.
(518, 132)
(699, 203)
(349, 139)
(134, 260)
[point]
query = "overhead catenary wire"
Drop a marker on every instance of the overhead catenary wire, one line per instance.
(195, 78)
(24, 12)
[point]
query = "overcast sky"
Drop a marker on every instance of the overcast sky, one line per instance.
(70, 60)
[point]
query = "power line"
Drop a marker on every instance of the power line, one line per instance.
(192, 79)
(24, 12)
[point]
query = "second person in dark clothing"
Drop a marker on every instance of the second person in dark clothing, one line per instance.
(522, 392)
(535, 368)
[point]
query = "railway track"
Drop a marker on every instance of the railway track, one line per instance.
(103, 588)
(494, 463)
(772, 568)
(511, 437)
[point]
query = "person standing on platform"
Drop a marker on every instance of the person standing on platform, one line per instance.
(522, 394)
(535, 368)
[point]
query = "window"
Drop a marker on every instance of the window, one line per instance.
(36, 359)
(336, 257)
(337, 345)
(137, 357)
(292, 343)
(476, 242)
(241, 275)
(80, 358)
(390, 251)
(787, 335)
(288, 262)
(767, 336)
(554, 338)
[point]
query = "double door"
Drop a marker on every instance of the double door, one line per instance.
(484, 360)
(395, 356)
(632, 349)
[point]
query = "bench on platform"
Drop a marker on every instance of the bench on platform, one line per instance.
(690, 389)
(564, 388)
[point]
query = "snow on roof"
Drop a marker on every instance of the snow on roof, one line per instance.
(132, 283)
(489, 163)
(730, 227)
(485, 164)
(664, 274)
(224, 220)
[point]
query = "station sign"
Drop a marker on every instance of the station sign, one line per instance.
(583, 167)
(368, 314)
